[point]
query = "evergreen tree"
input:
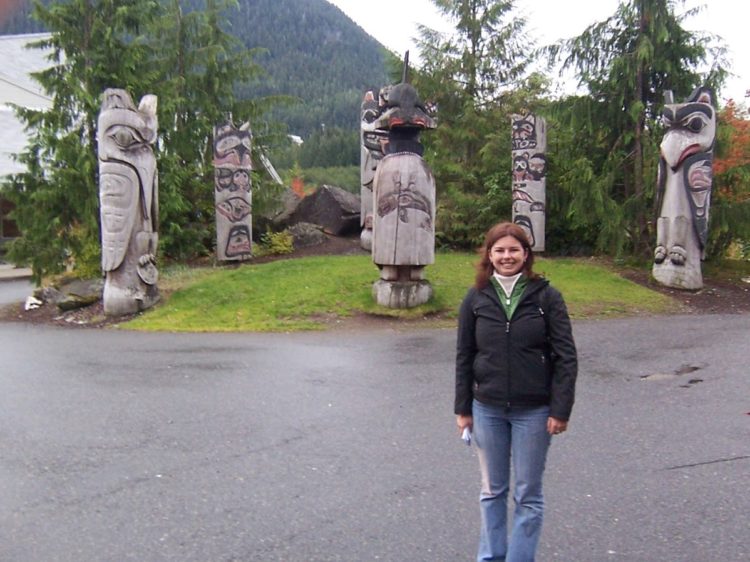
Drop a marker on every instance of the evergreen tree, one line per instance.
(330, 147)
(469, 76)
(189, 62)
(199, 65)
(626, 62)
(95, 45)
(311, 51)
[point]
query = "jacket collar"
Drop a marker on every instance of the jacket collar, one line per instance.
(532, 287)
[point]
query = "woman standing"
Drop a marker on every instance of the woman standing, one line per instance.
(516, 368)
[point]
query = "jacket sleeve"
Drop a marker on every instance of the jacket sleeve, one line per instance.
(465, 352)
(563, 348)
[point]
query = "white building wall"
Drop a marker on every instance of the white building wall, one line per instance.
(17, 87)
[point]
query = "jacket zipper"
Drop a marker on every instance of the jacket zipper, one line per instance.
(507, 357)
(507, 346)
(546, 335)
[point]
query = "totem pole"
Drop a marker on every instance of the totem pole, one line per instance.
(372, 145)
(684, 190)
(232, 193)
(528, 147)
(403, 240)
(129, 202)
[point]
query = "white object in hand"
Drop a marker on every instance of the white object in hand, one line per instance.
(466, 436)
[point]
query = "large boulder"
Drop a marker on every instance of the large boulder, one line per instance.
(306, 234)
(72, 294)
(281, 215)
(332, 208)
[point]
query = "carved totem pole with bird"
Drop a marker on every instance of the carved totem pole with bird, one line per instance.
(684, 190)
(129, 202)
(403, 211)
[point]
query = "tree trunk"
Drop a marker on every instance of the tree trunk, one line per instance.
(640, 242)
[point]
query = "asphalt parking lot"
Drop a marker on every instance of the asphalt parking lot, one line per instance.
(342, 446)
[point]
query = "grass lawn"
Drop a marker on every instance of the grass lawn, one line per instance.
(309, 293)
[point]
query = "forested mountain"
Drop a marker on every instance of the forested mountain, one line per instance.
(316, 53)
(16, 18)
(312, 51)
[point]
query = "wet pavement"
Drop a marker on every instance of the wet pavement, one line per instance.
(341, 446)
(9, 271)
(15, 290)
(15, 283)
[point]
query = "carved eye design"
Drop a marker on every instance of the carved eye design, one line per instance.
(522, 129)
(227, 144)
(124, 137)
(538, 163)
(525, 130)
(224, 179)
(537, 206)
(695, 124)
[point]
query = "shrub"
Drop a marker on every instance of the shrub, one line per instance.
(276, 243)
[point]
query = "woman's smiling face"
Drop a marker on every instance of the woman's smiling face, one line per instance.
(507, 256)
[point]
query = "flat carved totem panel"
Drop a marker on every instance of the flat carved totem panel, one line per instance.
(528, 150)
(129, 202)
(233, 191)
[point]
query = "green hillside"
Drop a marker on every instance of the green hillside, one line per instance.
(313, 52)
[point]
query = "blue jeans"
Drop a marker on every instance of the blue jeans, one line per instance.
(503, 434)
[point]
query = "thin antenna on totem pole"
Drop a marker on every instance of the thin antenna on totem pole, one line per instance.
(405, 75)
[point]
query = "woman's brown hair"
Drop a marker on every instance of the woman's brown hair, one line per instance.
(501, 230)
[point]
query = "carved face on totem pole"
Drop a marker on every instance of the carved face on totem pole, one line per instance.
(404, 110)
(128, 196)
(684, 190)
(232, 147)
(523, 131)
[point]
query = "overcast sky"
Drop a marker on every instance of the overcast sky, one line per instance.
(394, 24)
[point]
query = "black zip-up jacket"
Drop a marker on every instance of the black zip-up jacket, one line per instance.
(527, 361)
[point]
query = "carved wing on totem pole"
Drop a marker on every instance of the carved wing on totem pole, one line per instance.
(684, 190)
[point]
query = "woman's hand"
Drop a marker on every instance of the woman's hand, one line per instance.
(556, 426)
(464, 421)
